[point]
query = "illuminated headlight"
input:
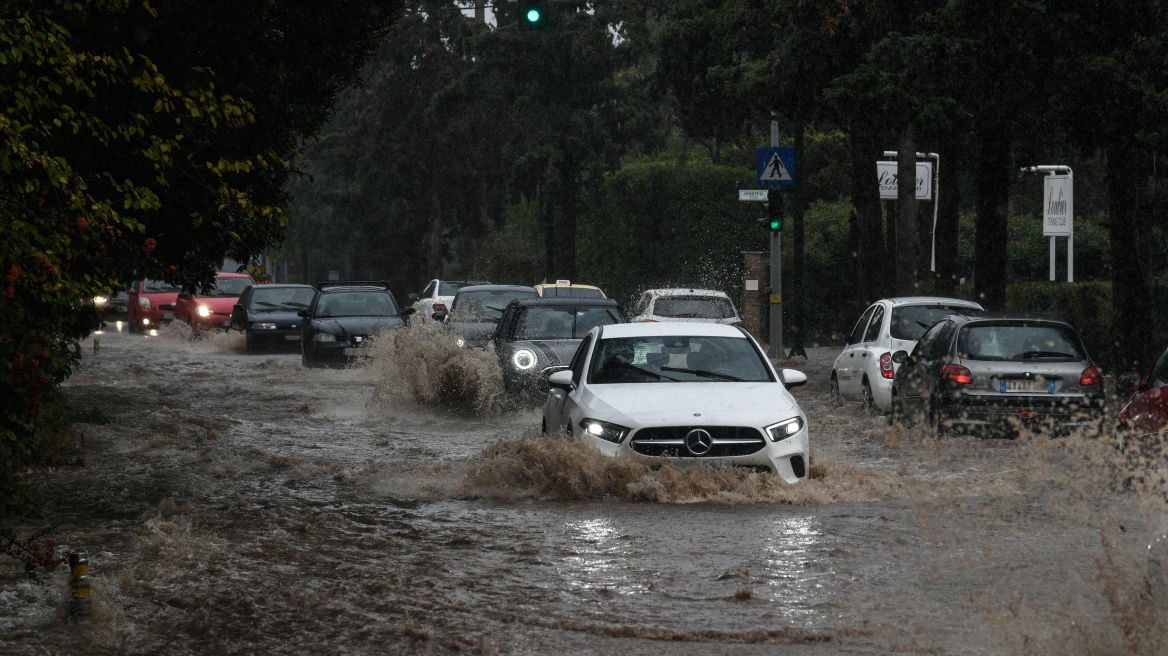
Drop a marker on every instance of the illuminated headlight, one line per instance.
(461, 343)
(100, 300)
(264, 326)
(324, 337)
(203, 311)
(144, 302)
(523, 359)
(145, 322)
(785, 429)
(604, 430)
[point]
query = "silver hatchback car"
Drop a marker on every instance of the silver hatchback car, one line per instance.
(999, 372)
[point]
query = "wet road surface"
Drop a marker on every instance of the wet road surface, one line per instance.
(243, 504)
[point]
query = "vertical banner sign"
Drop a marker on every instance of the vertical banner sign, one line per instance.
(1057, 205)
(886, 174)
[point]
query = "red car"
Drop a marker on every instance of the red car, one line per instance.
(1147, 410)
(212, 309)
(150, 304)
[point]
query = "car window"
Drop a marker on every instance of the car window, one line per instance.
(673, 358)
(1159, 375)
(356, 304)
(1020, 341)
(451, 288)
(281, 298)
(428, 292)
(873, 332)
(577, 365)
(589, 318)
(227, 287)
(158, 287)
(484, 306)
(858, 331)
(921, 350)
(940, 344)
(552, 291)
(643, 303)
(693, 307)
(545, 323)
(911, 321)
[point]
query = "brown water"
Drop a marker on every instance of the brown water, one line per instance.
(245, 505)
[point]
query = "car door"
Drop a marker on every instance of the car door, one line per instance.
(561, 403)
(425, 303)
(1147, 411)
(922, 362)
(239, 311)
(868, 350)
(848, 364)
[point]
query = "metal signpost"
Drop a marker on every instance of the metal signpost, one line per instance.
(928, 187)
(776, 166)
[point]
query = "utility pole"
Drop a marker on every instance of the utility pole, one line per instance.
(775, 210)
(798, 199)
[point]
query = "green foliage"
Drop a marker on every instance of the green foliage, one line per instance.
(1085, 305)
(828, 277)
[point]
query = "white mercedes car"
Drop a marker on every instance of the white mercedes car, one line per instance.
(692, 393)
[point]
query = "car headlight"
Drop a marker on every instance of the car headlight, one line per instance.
(604, 430)
(100, 300)
(523, 359)
(461, 342)
(264, 326)
(785, 429)
(203, 311)
(324, 337)
(144, 302)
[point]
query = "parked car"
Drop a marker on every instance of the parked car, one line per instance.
(1146, 410)
(476, 310)
(701, 305)
(997, 372)
(151, 303)
(437, 296)
(343, 316)
(536, 334)
(690, 393)
(211, 309)
(864, 370)
(565, 288)
(268, 313)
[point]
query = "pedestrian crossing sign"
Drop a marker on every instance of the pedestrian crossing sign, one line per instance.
(776, 166)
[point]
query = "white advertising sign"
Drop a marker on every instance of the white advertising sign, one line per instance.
(886, 172)
(1058, 205)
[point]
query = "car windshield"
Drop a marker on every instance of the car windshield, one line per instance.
(911, 321)
(451, 288)
(571, 292)
(228, 287)
(693, 307)
(1159, 375)
(559, 322)
(356, 304)
(677, 359)
(281, 298)
(159, 287)
(484, 306)
(1020, 342)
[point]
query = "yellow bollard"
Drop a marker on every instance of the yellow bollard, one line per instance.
(96, 345)
(79, 563)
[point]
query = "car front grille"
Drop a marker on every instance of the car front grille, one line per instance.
(728, 441)
(168, 307)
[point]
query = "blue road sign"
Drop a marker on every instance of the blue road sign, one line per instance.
(776, 166)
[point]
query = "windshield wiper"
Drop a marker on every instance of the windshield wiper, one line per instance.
(1044, 354)
(702, 373)
(640, 370)
(294, 304)
(267, 303)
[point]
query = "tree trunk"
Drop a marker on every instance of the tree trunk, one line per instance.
(993, 205)
(1132, 273)
(867, 218)
(906, 213)
(434, 250)
(948, 220)
(889, 282)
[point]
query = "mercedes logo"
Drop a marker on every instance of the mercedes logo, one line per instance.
(698, 442)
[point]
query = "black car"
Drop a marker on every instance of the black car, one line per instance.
(536, 334)
(998, 372)
(343, 316)
(268, 314)
(476, 310)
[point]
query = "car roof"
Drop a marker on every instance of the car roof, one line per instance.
(274, 285)
(929, 300)
(666, 328)
(464, 282)
(564, 300)
(685, 291)
(497, 288)
(1009, 316)
(571, 286)
(354, 288)
(232, 274)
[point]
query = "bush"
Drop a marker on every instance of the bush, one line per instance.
(1085, 305)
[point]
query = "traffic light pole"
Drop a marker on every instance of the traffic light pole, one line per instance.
(775, 209)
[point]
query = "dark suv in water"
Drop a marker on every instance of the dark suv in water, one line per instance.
(999, 372)
(343, 316)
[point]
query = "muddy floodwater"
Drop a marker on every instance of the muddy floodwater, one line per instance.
(242, 504)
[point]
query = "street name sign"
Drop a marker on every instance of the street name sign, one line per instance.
(753, 194)
(776, 166)
(886, 173)
(1058, 205)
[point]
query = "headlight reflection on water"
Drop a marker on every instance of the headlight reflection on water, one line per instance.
(598, 558)
(794, 542)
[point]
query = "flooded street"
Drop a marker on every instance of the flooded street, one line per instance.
(244, 504)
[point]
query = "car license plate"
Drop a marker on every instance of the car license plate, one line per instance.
(292, 338)
(167, 316)
(718, 463)
(1008, 386)
(356, 350)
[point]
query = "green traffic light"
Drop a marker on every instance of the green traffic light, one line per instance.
(776, 224)
(533, 15)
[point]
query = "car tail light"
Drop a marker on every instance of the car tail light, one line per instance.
(957, 374)
(1090, 376)
(738, 323)
(440, 307)
(886, 369)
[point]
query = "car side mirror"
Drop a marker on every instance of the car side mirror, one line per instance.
(132, 292)
(408, 311)
(302, 313)
(899, 357)
(438, 316)
(561, 379)
(1129, 382)
(837, 336)
(792, 377)
(413, 297)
